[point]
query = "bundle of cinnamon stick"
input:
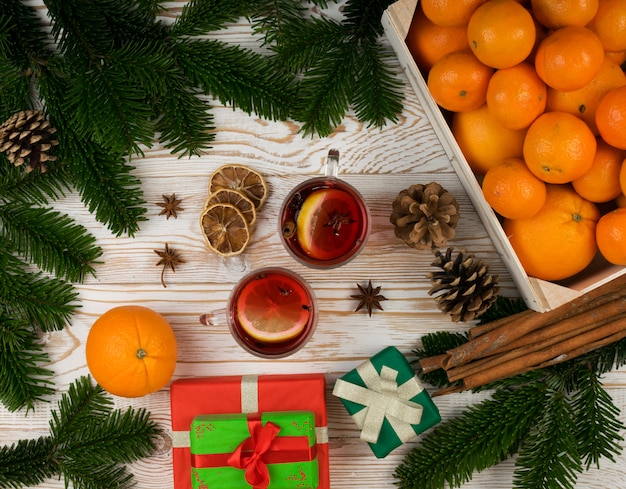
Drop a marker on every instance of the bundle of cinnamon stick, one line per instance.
(530, 340)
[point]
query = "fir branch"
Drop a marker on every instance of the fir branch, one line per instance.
(201, 16)
(49, 239)
(377, 94)
(23, 380)
(21, 463)
(601, 437)
(43, 302)
(89, 443)
(482, 436)
(549, 455)
(33, 187)
(236, 76)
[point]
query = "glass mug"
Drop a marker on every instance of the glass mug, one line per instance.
(271, 313)
(324, 222)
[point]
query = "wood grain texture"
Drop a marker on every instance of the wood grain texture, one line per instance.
(379, 163)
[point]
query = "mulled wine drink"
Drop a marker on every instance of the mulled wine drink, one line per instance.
(324, 222)
(271, 313)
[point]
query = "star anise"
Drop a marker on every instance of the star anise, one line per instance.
(171, 205)
(369, 298)
(169, 259)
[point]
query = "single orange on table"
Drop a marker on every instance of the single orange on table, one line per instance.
(611, 236)
(328, 224)
(516, 96)
(429, 42)
(501, 33)
(561, 13)
(601, 182)
(458, 81)
(450, 12)
(131, 351)
(609, 24)
(560, 240)
(273, 307)
(569, 58)
(559, 147)
(611, 117)
(512, 190)
(484, 141)
(584, 101)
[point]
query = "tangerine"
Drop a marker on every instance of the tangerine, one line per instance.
(601, 182)
(611, 117)
(611, 236)
(584, 102)
(559, 147)
(458, 81)
(516, 96)
(560, 13)
(622, 177)
(501, 33)
(620, 201)
(560, 240)
(484, 141)
(609, 24)
(569, 58)
(131, 351)
(450, 12)
(429, 42)
(512, 190)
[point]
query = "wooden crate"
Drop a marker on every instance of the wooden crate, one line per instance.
(539, 295)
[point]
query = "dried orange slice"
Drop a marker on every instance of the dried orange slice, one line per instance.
(225, 229)
(242, 178)
(235, 197)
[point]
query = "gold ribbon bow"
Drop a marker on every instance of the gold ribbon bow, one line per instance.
(382, 398)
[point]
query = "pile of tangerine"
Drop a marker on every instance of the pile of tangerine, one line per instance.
(537, 99)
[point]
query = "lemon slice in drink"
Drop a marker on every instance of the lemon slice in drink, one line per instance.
(242, 178)
(273, 308)
(328, 224)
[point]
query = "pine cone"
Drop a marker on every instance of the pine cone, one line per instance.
(425, 216)
(469, 288)
(27, 137)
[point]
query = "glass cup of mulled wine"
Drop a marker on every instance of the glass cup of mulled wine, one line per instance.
(324, 222)
(271, 313)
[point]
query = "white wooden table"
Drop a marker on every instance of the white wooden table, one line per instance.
(380, 163)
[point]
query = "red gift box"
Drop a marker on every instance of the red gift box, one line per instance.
(245, 394)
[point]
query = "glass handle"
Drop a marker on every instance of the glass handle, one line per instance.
(213, 318)
(332, 164)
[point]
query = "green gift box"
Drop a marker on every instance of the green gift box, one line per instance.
(387, 401)
(273, 450)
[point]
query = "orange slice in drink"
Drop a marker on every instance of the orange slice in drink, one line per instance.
(328, 224)
(273, 309)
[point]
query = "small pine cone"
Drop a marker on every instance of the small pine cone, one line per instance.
(27, 137)
(469, 289)
(425, 216)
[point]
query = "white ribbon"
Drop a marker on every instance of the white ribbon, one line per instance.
(382, 398)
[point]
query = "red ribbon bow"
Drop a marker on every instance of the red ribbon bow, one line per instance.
(249, 454)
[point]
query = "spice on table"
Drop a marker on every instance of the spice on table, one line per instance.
(369, 298)
(171, 206)
(169, 259)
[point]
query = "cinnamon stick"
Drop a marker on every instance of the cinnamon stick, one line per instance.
(509, 332)
(477, 331)
(532, 360)
(431, 364)
(478, 366)
(620, 335)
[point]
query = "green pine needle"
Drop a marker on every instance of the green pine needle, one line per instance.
(88, 446)
(559, 419)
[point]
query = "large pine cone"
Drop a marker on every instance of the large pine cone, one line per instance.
(28, 138)
(468, 288)
(425, 216)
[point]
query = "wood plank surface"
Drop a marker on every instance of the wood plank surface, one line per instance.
(380, 163)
